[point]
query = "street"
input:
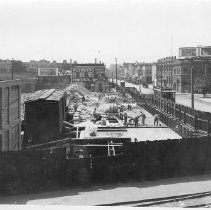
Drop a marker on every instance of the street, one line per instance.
(200, 103)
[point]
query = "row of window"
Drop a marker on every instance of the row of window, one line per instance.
(177, 70)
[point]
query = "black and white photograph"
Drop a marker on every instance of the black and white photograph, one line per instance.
(105, 103)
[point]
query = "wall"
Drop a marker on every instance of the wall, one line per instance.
(28, 80)
(10, 115)
(154, 75)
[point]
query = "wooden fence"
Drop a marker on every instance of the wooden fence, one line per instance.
(147, 160)
(173, 114)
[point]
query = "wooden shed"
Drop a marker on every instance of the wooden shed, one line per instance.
(45, 111)
(100, 85)
(10, 115)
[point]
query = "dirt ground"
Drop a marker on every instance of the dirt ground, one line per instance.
(112, 193)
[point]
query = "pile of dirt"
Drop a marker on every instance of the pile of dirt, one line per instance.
(78, 88)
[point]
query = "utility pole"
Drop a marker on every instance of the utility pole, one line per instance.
(139, 73)
(116, 72)
(161, 87)
(192, 89)
(12, 70)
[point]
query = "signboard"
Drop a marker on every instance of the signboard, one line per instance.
(83, 74)
(205, 51)
(187, 52)
(48, 72)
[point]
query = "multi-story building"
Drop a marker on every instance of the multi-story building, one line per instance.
(181, 73)
(146, 73)
(176, 73)
(154, 74)
(33, 65)
(164, 71)
(89, 74)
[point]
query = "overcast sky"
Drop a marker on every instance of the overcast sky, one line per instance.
(82, 30)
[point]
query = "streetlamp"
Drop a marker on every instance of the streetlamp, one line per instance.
(116, 72)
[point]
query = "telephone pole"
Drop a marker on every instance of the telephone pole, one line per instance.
(161, 86)
(12, 70)
(192, 88)
(116, 72)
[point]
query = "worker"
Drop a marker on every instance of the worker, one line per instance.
(125, 119)
(143, 118)
(136, 121)
(121, 108)
(95, 113)
(121, 113)
(156, 119)
(75, 107)
(83, 99)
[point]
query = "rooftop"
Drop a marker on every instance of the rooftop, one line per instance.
(48, 95)
(88, 64)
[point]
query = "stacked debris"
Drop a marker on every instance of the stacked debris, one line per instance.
(80, 108)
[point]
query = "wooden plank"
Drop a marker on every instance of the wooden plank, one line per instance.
(5, 140)
(14, 138)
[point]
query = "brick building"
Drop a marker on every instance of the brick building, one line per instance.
(88, 73)
(146, 73)
(176, 73)
(164, 71)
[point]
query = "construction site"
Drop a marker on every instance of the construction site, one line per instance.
(75, 137)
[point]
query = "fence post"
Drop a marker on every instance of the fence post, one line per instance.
(174, 110)
(167, 107)
(180, 113)
(195, 121)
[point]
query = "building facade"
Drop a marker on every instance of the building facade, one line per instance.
(146, 73)
(154, 74)
(87, 73)
(182, 74)
(176, 73)
(164, 71)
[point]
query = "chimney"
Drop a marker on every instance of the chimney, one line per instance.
(95, 60)
(71, 61)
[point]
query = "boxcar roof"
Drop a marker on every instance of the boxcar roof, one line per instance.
(49, 95)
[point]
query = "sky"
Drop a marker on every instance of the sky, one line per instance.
(82, 30)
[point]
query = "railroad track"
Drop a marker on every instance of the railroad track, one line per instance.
(196, 200)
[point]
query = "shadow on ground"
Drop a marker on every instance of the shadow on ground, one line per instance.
(58, 191)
